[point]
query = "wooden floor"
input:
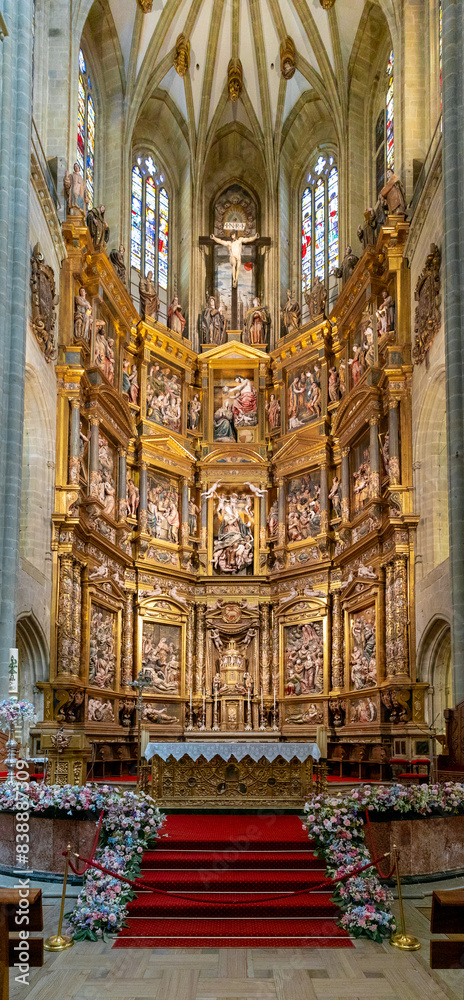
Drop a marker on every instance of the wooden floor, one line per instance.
(369, 972)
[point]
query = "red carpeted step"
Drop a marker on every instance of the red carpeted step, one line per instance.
(224, 905)
(238, 881)
(240, 832)
(227, 860)
(238, 929)
(214, 942)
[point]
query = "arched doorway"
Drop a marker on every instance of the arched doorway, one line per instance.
(33, 659)
(434, 667)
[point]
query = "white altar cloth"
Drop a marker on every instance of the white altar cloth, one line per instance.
(237, 751)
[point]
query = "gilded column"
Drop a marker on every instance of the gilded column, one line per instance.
(281, 502)
(401, 616)
(122, 484)
(346, 484)
(75, 661)
(189, 648)
(374, 456)
(127, 639)
(185, 512)
(74, 443)
(275, 649)
(94, 457)
(262, 521)
(143, 518)
(394, 443)
(323, 499)
(265, 639)
(389, 622)
(204, 522)
(200, 649)
(65, 639)
(337, 641)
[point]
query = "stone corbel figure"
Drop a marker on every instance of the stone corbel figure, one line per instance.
(75, 191)
(287, 58)
(82, 316)
(117, 260)
(347, 266)
(367, 234)
(394, 196)
(149, 299)
(316, 298)
(43, 303)
(291, 314)
(98, 228)
(182, 55)
(212, 324)
(257, 324)
(234, 79)
(176, 321)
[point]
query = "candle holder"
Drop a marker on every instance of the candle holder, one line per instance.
(202, 724)
(274, 719)
(262, 719)
(215, 717)
(248, 725)
(189, 725)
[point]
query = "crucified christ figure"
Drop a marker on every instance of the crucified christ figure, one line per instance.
(234, 246)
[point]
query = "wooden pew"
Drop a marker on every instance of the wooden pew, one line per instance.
(447, 918)
(9, 933)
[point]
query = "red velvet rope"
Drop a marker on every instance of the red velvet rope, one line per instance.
(141, 884)
(94, 847)
(371, 848)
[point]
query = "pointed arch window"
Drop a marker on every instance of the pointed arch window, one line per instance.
(319, 222)
(149, 221)
(86, 121)
(385, 130)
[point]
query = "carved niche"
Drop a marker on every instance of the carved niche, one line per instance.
(43, 302)
(428, 311)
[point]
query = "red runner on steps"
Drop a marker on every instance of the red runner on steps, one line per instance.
(231, 867)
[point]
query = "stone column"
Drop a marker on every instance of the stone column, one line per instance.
(185, 512)
(337, 641)
(200, 649)
(374, 456)
(346, 484)
(394, 442)
(65, 639)
(74, 443)
(122, 485)
(265, 651)
(127, 664)
(323, 499)
(15, 184)
(75, 663)
(93, 457)
(281, 501)
(143, 487)
(453, 299)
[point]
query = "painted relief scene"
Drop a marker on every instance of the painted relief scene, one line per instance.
(361, 473)
(273, 412)
(304, 659)
(102, 653)
(233, 542)
(164, 397)
(235, 407)
(163, 507)
(305, 715)
(363, 350)
(106, 477)
(363, 710)
(104, 349)
(304, 397)
(363, 664)
(162, 715)
(161, 655)
(303, 507)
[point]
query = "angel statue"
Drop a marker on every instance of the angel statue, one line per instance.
(234, 246)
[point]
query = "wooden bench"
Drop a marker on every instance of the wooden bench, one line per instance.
(10, 932)
(447, 918)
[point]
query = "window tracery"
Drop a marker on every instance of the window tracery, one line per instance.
(149, 221)
(319, 222)
(385, 130)
(86, 122)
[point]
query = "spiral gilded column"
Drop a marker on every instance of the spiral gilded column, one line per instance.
(401, 615)
(65, 640)
(127, 662)
(337, 641)
(389, 622)
(189, 648)
(75, 663)
(264, 652)
(74, 443)
(275, 649)
(200, 648)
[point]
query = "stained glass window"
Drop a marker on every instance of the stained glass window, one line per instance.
(319, 222)
(86, 129)
(389, 104)
(440, 50)
(163, 231)
(150, 221)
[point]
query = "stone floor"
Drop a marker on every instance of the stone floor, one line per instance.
(368, 972)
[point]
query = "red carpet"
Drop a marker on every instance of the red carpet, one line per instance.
(240, 874)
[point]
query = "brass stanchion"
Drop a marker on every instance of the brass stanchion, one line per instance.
(401, 940)
(59, 941)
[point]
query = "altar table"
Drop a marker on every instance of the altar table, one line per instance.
(238, 774)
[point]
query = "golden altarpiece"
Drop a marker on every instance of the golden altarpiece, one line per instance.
(238, 526)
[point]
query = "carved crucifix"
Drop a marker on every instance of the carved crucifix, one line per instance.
(234, 246)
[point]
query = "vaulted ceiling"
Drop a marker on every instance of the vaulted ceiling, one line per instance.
(252, 31)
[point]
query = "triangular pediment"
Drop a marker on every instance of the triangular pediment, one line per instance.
(300, 443)
(235, 351)
(168, 444)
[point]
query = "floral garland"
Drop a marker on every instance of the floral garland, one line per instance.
(13, 712)
(336, 823)
(130, 824)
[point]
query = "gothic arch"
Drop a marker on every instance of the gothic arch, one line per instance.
(33, 658)
(37, 472)
(430, 452)
(434, 668)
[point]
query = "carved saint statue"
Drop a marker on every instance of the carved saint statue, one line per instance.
(367, 234)
(394, 196)
(176, 321)
(257, 323)
(273, 412)
(133, 497)
(193, 512)
(316, 298)
(234, 246)
(193, 413)
(386, 313)
(149, 300)
(75, 191)
(117, 260)
(291, 314)
(98, 228)
(347, 266)
(334, 385)
(213, 324)
(335, 495)
(130, 384)
(82, 316)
